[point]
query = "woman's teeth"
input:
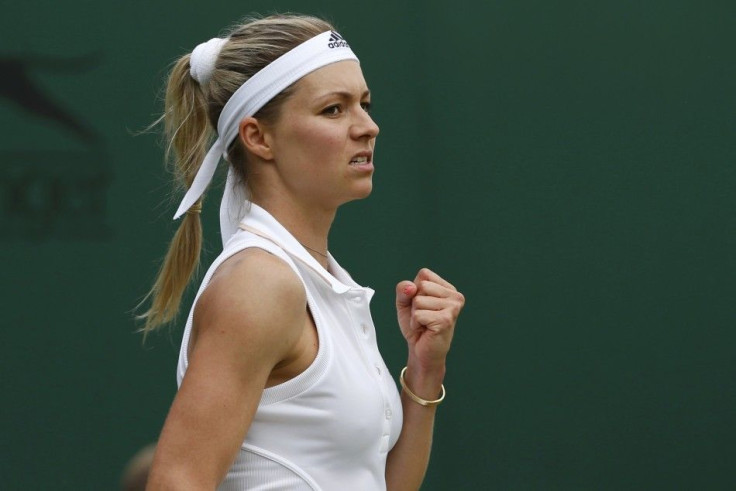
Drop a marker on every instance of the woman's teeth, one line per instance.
(359, 160)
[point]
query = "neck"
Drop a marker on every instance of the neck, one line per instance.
(310, 226)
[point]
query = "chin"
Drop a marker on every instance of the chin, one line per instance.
(359, 193)
(365, 191)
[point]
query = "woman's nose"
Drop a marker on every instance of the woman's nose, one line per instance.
(365, 126)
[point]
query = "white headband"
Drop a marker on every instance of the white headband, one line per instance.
(323, 49)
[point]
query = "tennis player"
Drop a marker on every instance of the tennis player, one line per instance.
(281, 384)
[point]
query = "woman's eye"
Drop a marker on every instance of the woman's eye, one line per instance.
(332, 110)
(366, 106)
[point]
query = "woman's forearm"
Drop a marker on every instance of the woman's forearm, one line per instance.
(408, 460)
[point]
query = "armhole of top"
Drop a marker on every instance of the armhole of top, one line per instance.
(313, 372)
(250, 241)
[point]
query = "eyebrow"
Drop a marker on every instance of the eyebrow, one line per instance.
(343, 94)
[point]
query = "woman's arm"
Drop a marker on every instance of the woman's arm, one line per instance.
(427, 311)
(248, 319)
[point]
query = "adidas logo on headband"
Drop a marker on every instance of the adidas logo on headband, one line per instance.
(337, 41)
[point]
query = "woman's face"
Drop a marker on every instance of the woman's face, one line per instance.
(323, 141)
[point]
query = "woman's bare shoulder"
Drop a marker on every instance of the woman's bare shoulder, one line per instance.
(253, 294)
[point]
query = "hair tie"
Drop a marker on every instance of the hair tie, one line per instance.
(195, 209)
(203, 58)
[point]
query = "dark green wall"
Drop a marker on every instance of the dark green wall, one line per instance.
(568, 165)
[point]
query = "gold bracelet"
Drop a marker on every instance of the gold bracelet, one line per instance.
(415, 397)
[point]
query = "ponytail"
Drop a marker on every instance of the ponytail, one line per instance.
(188, 135)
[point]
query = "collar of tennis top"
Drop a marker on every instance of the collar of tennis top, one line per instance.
(321, 50)
(258, 221)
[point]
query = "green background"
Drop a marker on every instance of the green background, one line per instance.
(568, 165)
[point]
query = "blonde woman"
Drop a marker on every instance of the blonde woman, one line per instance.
(281, 385)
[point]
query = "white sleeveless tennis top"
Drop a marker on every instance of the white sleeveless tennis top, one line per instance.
(331, 427)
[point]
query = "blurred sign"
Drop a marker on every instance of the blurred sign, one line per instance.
(45, 193)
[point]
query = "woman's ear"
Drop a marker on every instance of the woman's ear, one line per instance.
(253, 135)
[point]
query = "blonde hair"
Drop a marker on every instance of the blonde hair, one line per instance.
(190, 118)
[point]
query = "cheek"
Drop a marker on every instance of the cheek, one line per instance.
(321, 138)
